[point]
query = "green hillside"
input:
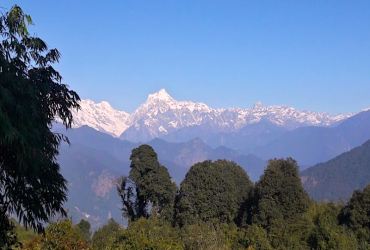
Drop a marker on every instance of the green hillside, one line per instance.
(339, 177)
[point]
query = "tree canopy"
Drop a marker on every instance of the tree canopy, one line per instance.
(32, 96)
(59, 235)
(356, 215)
(212, 190)
(147, 187)
(279, 194)
(106, 235)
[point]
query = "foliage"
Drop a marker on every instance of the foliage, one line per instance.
(149, 233)
(253, 237)
(278, 196)
(205, 235)
(59, 235)
(106, 235)
(326, 233)
(31, 97)
(289, 234)
(148, 186)
(8, 236)
(212, 190)
(84, 228)
(356, 216)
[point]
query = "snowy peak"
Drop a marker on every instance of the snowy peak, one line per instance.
(161, 95)
(100, 116)
(257, 105)
(162, 115)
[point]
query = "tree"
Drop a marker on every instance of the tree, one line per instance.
(212, 190)
(31, 97)
(254, 237)
(278, 195)
(205, 235)
(325, 231)
(106, 235)
(8, 236)
(148, 186)
(148, 234)
(84, 227)
(59, 235)
(356, 216)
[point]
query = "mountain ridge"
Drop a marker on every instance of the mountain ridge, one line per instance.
(162, 115)
(340, 176)
(312, 145)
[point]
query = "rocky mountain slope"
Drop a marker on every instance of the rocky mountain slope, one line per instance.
(90, 174)
(162, 115)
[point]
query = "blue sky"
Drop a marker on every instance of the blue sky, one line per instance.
(312, 55)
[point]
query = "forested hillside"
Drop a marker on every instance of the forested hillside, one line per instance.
(339, 177)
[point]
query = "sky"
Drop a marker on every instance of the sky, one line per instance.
(312, 55)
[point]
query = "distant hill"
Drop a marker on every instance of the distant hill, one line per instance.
(244, 140)
(312, 145)
(183, 155)
(339, 177)
(308, 145)
(90, 174)
(355, 130)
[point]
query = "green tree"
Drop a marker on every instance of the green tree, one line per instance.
(279, 196)
(148, 188)
(254, 237)
(31, 98)
(209, 235)
(149, 233)
(106, 235)
(59, 235)
(356, 216)
(325, 232)
(84, 227)
(212, 190)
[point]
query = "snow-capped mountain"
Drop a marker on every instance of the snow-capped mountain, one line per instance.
(161, 115)
(101, 116)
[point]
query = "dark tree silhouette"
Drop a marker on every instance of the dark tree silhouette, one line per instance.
(32, 96)
(148, 188)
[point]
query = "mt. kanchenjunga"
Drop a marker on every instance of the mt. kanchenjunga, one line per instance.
(161, 115)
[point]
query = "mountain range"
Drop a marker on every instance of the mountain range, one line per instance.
(184, 133)
(161, 115)
(312, 145)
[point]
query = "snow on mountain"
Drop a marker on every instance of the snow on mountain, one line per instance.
(161, 115)
(101, 116)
